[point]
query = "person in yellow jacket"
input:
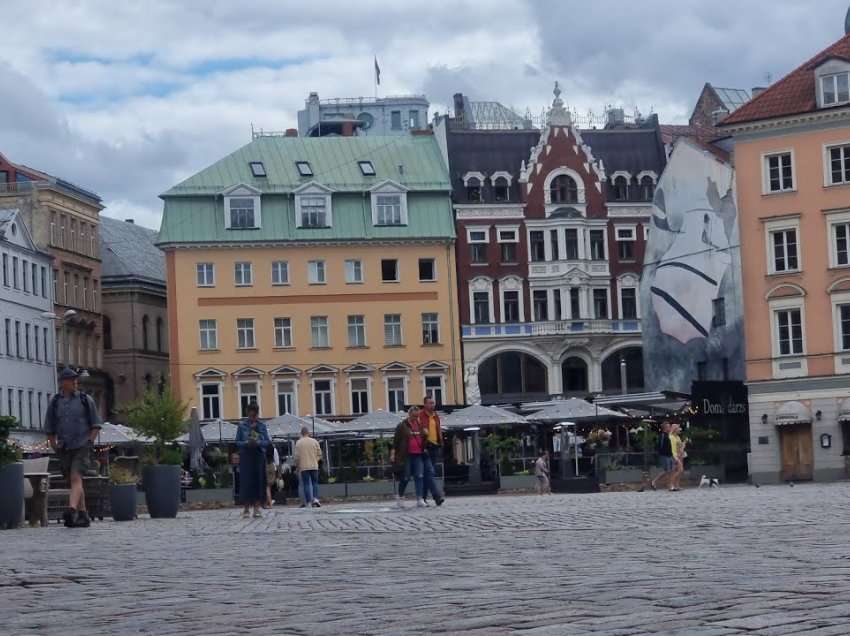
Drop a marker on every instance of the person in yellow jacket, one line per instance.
(677, 445)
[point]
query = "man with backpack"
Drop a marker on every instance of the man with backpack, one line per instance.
(665, 456)
(72, 425)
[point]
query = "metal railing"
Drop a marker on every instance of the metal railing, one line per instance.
(551, 328)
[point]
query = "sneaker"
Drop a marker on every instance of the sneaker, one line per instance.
(258, 514)
(69, 517)
(246, 514)
(303, 505)
(399, 502)
(420, 503)
(316, 504)
(83, 520)
(440, 501)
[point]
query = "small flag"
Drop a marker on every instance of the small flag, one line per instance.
(377, 72)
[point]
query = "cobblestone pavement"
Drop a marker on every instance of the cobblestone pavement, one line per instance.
(739, 560)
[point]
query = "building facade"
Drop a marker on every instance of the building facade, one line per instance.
(135, 317)
(27, 354)
(792, 169)
(375, 116)
(314, 276)
(64, 219)
(551, 225)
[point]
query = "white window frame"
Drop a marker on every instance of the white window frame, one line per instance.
(436, 321)
(250, 271)
(327, 326)
(838, 299)
(389, 188)
(480, 284)
(250, 331)
(220, 395)
(352, 266)
(397, 278)
(607, 302)
(369, 404)
(282, 330)
(208, 268)
(781, 225)
(589, 245)
(313, 189)
(332, 382)
(834, 78)
(785, 304)
(214, 331)
(433, 279)
(511, 284)
(827, 162)
(316, 272)
(621, 286)
(242, 191)
(834, 219)
(405, 392)
(259, 399)
(425, 390)
(361, 326)
(476, 229)
(400, 325)
(765, 172)
(277, 267)
(278, 392)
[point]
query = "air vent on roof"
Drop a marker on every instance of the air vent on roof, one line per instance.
(258, 169)
(367, 168)
(304, 168)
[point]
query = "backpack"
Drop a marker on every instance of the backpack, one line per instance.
(54, 406)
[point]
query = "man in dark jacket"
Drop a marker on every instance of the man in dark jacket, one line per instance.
(72, 425)
(665, 455)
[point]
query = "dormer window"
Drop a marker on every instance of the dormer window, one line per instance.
(242, 208)
(835, 89)
(366, 168)
(304, 168)
(389, 204)
(647, 188)
(258, 169)
(501, 189)
(621, 189)
(473, 190)
(314, 211)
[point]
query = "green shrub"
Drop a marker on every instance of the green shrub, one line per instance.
(9, 451)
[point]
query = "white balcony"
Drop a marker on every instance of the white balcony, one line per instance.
(551, 328)
(548, 269)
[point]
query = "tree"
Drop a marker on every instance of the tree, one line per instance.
(160, 417)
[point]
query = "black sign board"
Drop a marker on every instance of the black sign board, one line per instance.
(722, 406)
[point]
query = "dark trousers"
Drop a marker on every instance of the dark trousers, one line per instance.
(432, 458)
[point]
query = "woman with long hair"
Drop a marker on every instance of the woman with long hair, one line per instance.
(252, 439)
(408, 450)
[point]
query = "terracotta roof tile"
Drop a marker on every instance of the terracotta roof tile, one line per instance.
(793, 94)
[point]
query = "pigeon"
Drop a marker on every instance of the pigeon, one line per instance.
(791, 483)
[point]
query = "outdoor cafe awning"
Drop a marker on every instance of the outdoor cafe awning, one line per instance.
(480, 416)
(574, 410)
(377, 422)
(791, 413)
(288, 426)
(218, 431)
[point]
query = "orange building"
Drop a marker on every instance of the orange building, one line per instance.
(313, 276)
(792, 158)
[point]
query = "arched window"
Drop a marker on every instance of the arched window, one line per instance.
(107, 333)
(612, 371)
(647, 188)
(159, 335)
(473, 190)
(574, 374)
(621, 189)
(563, 189)
(145, 327)
(512, 373)
(501, 190)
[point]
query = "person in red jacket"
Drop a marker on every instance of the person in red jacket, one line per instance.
(430, 422)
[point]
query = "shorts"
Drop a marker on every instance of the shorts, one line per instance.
(271, 474)
(668, 464)
(74, 460)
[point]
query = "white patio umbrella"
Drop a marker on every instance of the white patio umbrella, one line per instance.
(574, 410)
(379, 421)
(481, 416)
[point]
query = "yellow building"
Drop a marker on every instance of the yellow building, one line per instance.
(313, 276)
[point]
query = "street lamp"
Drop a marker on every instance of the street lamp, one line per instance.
(475, 467)
(69, 313)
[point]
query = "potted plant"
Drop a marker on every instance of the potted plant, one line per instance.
(11, 478)
(122, 494)
(160, 417)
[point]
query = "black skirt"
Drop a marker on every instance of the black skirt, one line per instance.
(252, 476)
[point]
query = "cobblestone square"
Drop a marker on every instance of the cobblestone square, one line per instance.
(738, 560)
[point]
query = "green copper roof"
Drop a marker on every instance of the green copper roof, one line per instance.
(413, 161)
(200, 219)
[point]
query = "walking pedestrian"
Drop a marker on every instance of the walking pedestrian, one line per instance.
(429, 419)
(72, 424)
(308, 453)
(252, 439)
(678, 448)
(408, 451)
(541, 471)
(665, 456)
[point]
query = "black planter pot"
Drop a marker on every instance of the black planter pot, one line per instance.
(122, 499)
(162, 490)
(11, 495)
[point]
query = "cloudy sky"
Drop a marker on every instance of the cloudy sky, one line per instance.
(127, 98)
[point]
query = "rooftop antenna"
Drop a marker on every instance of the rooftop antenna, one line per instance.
(768, 77)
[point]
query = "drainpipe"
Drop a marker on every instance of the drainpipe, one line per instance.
(453, 326)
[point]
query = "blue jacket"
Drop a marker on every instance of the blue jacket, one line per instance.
(243, 434)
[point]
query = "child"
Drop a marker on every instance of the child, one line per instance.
(541, 471)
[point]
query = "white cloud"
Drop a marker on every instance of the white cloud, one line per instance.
(128, 98)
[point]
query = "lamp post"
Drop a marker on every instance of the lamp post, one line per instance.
(623, 375)
(475, 467)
